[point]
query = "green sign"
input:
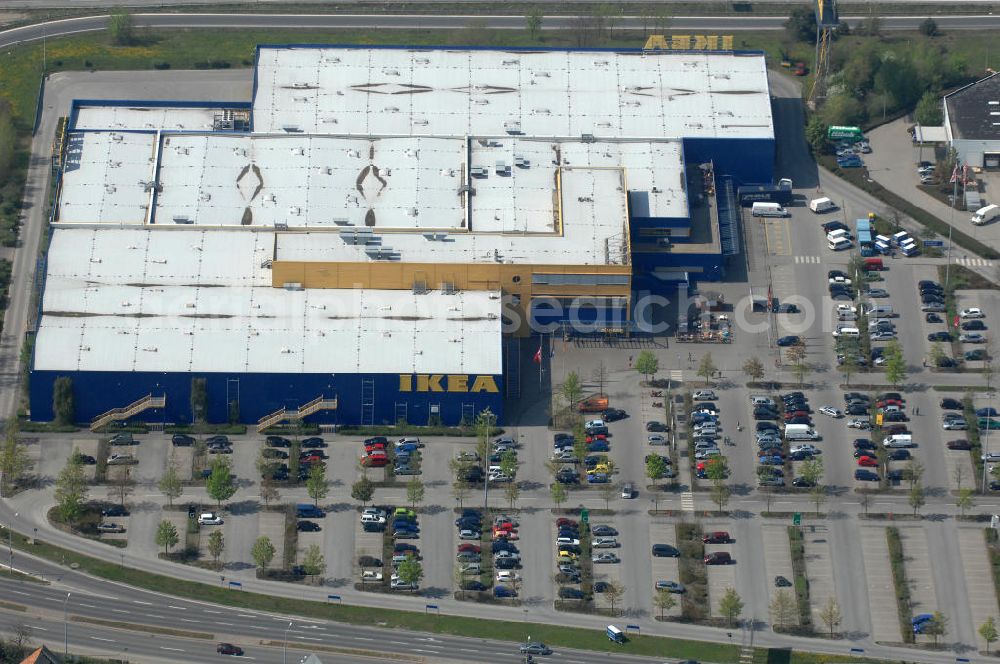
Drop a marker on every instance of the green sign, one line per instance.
(797, 518)
(584, 515)
(835, 132)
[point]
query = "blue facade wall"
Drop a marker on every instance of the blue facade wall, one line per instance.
(746, 160)
(97, 392)
(701, 266)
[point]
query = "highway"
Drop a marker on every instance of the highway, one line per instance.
(146, 4)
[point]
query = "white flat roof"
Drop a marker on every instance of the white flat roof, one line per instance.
(146, 118)
(397, 91)
(202, 301)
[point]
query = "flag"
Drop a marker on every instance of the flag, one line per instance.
(954, 174)
(965, 174)
(537, 359)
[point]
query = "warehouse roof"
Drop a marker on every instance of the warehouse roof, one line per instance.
(479, 92)
(974, 111)
(137, 116)
(140, 300)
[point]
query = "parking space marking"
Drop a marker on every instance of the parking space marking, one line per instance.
(982, 596)
(778, 236)
(777, 557)
(918, 569)
(667, 569)
(807, 259)
(878, 577)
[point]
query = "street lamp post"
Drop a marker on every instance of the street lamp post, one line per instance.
(284, 646)
(66, 628)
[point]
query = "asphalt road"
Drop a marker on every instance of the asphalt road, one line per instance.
(51, 4)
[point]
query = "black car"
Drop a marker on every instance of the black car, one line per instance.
(505, 545)
(506, 563)
(571, 593)
(277, 441)
(603, 531)
(217, 441)
(181, 440)
(865, 475)
(899, 455)
(656, 427)
(857, 409)
(473, 474)
(946, 363)
(309, 527)
(896, 475)
(863, 444)
(477, 586)
(786, 309)
(829, 227)
(229, 649)
(85, 459)
(369, 527)
(979, 354)
(973, 325)
(312, 443)
(790, 340)
(567, 476)
(114, 510)
(933, 318)
(468, 524)
(665, 551)
(803, 483)
(403, 547)
(614, 414)
(279, 474)
(939, 336)
(765, 414)
(895, 417)
(951, 404)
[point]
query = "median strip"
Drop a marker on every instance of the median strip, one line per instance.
(357, 652)
(135, 627)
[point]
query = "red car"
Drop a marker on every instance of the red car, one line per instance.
(718, 537)
(375, 461)
(374, 447)
(797, 413)
(312, 458)
(868, 461)
(468, 548)
(566, 522)
(599, 436)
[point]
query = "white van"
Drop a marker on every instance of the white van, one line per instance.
(881, 311)
(372, 518)
(839, 244)
(986, 214)
(800, 432)
(898, 440)
(900, 237)
(846, 331)
(761, 400)
(821, 205)
(883, 238)
(762, 209)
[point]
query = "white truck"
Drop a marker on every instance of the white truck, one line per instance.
(821, 205)
(986, 214)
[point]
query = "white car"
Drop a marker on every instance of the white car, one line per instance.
(397, 583)
(808, 449)
(858, 423)
(595, 424)
(991, 456)
(972, 338)
(507, 575)
(840, 280)
(605, 543)
(656, 439)
(846, 308)
(371, 575)
(498, 477)
(468, 534)
(567, 540)
(831, 411)
(704, 395)
(209, 519)
(972, 312)
(707, 454)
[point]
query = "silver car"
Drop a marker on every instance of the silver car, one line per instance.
(605, 543)
(656, 439)
(605, 557)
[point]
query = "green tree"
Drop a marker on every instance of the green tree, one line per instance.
(811, 470)
(964, 500)
(460, 491)
(485, 422)
(707, 368)
(558, 494)
(363, 490)
(579, 443)
(166, 536)
(988, 630)
(63, 401)
(928, 112)
(936, 626)
(571, 388)
(121, 485)
(731, 606)
(313, 562)
(816, 134)
(600, 376)
(216, 545)
(936, 354)
(721, 494)
(262, 552)
(664, 601)
(415, 491)
(753, 368)
(268, 492)
(317, 486)
(511, 492)
(199, 400)
(914, 471)
(121, 28)
(656, 466)
(801, 24)
(851, 350)
(410, 571)
(71, 490)
(647, 364)
(895, 364)
(534, 22)
(508, 463)
(829, 615)
(842, 109)
(170, 484)
(14, 459)
(613, 593)
(783, 607)
(220, 485)
(916, 497)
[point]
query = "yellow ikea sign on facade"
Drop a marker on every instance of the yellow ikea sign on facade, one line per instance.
(689, 43)
(446, 383)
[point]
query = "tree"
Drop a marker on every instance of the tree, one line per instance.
(512, 492)
(829, 615)
(801, 24)
(818, 496)
(849, 366)
(220, 484)
(872, 25)
(895, 364)
(415, 491)
(988, 630)
(122, 485)
(720, 495)
(707, 368)
(14, 460)
(534, 22)
(811, 470)
(914, 471)
(964, 500)
(816, 134)
(783, 607)
(71, 490)
(731, 606)
(317, 486)
(866, 502)
(166, 536)
(262, 552)
(558, 494)
(664, 601)
(929, 27)
(801, 369)
(936, 626)
(580, 445)
(571, 388)
(600, 376)
(363, 490)
(268, 491)
(216, 545)
(608, 491)
(842, 108)
(916, 497)
(121, 28)
(647, 364)
(410, 571)
(63, 401)
(928, 112)
(313, 562)
(199, 400)
(656, 466)
(170, 484)
(614, 592)
(754, 369)
(508, 463)
(936, 354)
(460, 491)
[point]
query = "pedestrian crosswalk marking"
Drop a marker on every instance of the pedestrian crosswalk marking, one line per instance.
(974, 262)
(687, 501)
(807, 259)
(677, 375)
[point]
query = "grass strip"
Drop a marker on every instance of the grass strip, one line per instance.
(691, 569)
(136, 627)
(380, 654)
(7, 606)
(993, 549)
(504, 630)
(903, 607)
(800, 580)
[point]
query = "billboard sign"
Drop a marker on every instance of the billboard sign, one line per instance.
(835, 132)
(689, 43)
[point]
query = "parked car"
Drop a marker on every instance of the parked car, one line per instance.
(665, 551)
(181, 440)
(229, 649)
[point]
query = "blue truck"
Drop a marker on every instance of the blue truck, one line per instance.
(780, 193)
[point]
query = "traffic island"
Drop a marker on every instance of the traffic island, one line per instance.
(899, 581)
(800, 581)
(691, 567)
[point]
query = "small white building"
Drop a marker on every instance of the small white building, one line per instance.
(972, 122)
